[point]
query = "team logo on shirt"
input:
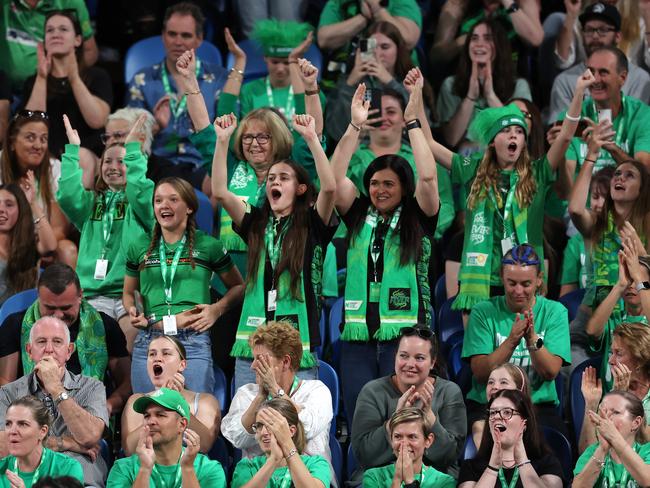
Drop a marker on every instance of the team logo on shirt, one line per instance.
(399, 298)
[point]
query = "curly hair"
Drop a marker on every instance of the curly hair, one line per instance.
(282, 339)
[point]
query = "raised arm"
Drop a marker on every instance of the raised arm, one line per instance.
(565, 42)
(426, 188)
(526, 21)
(455, 128)
(224, 126)
(306, 127)
(313, 107)
(294, 70)
(560, 145)
(38, 97)
(596, 324)
(446, 45)
(346, 191)
(189, 85)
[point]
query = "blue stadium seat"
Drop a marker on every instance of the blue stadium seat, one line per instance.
(449, 321)
(221, 389)
(576, 398)
(205, 215)
(18, 303)
(470, 448)
(559, 387)
(572, 301)
(440, 293)
(455, 363)
(336, 319)
(328, 376)
(562, 449)
(352, 464)
(219, 452)
(151, 51)
(337, 459)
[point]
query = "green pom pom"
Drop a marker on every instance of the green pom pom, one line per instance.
(489, 122)
(278, 37)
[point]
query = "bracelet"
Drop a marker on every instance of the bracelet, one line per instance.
(413, 124)
(196, 92)
(492, 468)
(600, 462)
(291, 453)
(473, 100)
(235, 70)
(312, 92)
(587, 160)
(572, 118)
(355, 127)
(36, 221)
(293, 61)
(527, 461)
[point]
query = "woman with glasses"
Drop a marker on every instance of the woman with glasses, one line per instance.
(281, 437)
(513, 451)
(390, 233)
(413, 383)
(621, 455)
(64, 85)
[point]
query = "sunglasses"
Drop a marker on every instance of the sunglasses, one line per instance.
(422, 332)
(31, 114)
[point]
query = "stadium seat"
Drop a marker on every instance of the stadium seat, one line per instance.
(328, 376)
(221, 389)
(449, 321)
(337, 458)
(440, 293)
(205, 215)
(572, 301)
(470, 448)
(352, 464)
(336, 319)
(17, 303)
(576, 398)
(455, 363)
(219, 452)
(562, 449)
(151, 50)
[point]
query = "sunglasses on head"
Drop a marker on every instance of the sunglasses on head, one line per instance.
(31, 114)
(422, 332)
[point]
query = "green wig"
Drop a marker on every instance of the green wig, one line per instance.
(489, 122)
(278, 38)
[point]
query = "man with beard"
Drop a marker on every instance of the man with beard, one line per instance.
(601, 27)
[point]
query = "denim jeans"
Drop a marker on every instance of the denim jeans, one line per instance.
(244, 374)
(362, 362)
(199, 373)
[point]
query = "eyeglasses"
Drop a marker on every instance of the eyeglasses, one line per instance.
(119, 135)
(601, 31)
(257, 426)
(505, 413)
(31, 114)
(261, 139)
(421, 332)
(527, 115)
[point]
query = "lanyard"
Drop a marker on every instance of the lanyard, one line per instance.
(292, 390)
(513, 481)
(374, 252)
(286, 479)
(107, 218)
(175, 106)
(288, 109)
(177, 478)
(508, 229)
(608, 471)
(163, 268)
(273, 243)
(38, 468)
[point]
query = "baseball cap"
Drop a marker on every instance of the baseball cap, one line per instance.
(166, 398)
(601, 11)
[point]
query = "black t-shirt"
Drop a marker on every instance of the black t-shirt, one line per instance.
(318, 237)
(10, 331)
(472, 469)
(427, 224)
(60, 100)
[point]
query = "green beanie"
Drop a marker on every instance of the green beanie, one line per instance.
(489, 122)
(278, 38)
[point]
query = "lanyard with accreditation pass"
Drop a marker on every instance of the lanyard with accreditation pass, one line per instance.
(169, 320)
(101, 266)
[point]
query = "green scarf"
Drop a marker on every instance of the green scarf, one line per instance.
(243, 183)
(288, 309)
(605, 255)
(397, 292)
(476, 267)
(90, 343)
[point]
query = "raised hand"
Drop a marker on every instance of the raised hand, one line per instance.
(412, 77)
(520, 449)
(71, 66)
(192, 443)
(376, 69)
(474, 86)
(598, 135)
(406, 466)
(186, 64)
(359, 107)
(144, 449)
(308, 73)
(225, 125)
(496, 455)
(585, 80)
(73, 135)
(488, 83)
(162, 112)
(28, 185)
(624, 279)
(305, 125)
(519, 329)
(265, 375)
(300, 50)
(137, 133)
(627, 231)
(233, 47)
(591, 388)
(407, 399)
(44, 65)
(414, 106)
(621, 374)
(278, 426)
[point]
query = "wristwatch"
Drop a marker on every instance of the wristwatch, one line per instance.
(643, 285)
(537, 345)
(414, 484)
(512, 8)
(280, 393)
(62, 397)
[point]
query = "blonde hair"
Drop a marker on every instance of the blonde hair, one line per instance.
(281, 138)
(630, 30)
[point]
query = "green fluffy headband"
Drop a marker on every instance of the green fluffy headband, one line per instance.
(489, 122)
(278, 38)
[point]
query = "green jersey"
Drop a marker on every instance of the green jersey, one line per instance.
(612, 471)
(108, 221)
(574, 264)
(246, 469)
(189, 287)
(429, 478)
(52, 464)
(490, 324)
(125, 471)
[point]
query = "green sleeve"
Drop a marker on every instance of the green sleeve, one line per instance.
(572, 152)
(75, 201)
(479, 335)
(246, 99)
(544, 174)
(204, 141)
(120, 475)
(443, 480)
(556, 325)
(75, 470)
(220, 260)
(571, 262)
(299, 102)
(372, 478)
(139, 188)
(227, 104)
(244, 472)
(83, 17)
(642, 134)
(330, 14)
(210, 473)
(318, 467)
(133, 259)
(584, 459)
(447, 212)
(408, 9)
(463, 169)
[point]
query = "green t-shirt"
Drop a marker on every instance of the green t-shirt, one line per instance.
(383, 477)
(631, 127)
(463, 172)
(22, 28)
(336, 11)
(362, 158)
(124, 472)
(490, 324)
(317, 466)
(190, 286)
(643, 450)
(53, 464)
(574, 264)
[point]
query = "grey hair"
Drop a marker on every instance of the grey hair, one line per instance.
(131, 114)
(48, 319)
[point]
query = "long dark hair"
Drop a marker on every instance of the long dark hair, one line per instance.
(408, 226)
(23, 253)
(536, 446)
(187, 194)
(292, 253)
(503, 69)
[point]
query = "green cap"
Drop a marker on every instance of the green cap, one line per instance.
(279, 38)
(166, 398)
(489, 122)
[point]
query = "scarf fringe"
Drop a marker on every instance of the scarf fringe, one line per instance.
(241, 349)
(355, 331)
(388, 332)
(464, 301)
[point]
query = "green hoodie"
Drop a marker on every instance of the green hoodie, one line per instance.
(132, 217)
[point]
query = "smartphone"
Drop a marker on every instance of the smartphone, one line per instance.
(374, 95)
(367, 48)
(605, 114)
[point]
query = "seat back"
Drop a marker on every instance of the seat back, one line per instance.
(221, 389)
(440, 292)
(562, 449)
(337, 458)
(19, 302)
(352, 464)
(572, 301)
(205, 214)
(576, 398)
(449, 321)
(336, 319)
(151, 50)
(469, 452)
